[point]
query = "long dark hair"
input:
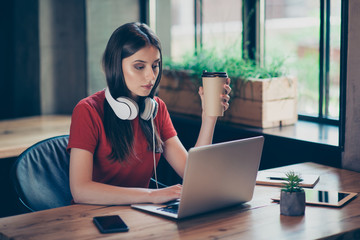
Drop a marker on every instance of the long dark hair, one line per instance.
(124, 42)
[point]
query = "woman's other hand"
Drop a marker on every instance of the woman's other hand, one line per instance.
(224, 97)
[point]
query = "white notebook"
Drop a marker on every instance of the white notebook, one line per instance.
(277, 179)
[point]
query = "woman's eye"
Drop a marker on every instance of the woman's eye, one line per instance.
(139, 67)
(155, 66)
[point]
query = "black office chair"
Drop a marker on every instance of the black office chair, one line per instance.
(41, 175)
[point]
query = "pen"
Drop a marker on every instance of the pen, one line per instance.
(277, 178)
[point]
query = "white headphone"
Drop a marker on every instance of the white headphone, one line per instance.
(127, 109)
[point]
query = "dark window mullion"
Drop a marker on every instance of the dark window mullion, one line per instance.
(249, 29)
(324, 61)
(321, 58)
(319, 120)
(343, 66)
(144, 11)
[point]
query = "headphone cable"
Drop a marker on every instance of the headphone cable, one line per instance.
(153, 134)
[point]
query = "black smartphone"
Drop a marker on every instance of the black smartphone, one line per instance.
(110, 224)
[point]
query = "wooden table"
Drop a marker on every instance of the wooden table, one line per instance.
(258, 219)
(16, 135)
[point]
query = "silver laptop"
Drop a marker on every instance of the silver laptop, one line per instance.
(216, 176)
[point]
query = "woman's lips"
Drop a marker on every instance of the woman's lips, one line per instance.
(148, 86)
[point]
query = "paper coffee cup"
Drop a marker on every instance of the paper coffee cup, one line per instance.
(213, 84)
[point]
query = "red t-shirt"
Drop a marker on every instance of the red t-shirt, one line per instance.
(87, 132)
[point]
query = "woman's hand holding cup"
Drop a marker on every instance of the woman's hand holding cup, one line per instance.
(215, 93)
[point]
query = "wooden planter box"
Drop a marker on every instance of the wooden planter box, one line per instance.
(264, 103)
(261, 103)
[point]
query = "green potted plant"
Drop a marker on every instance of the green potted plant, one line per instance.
(262, 96)
(292, 198)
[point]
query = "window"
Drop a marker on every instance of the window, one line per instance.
(206, 23)
(304, 32)
(307, 34)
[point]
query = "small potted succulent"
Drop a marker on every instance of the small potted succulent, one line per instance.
(292, 198)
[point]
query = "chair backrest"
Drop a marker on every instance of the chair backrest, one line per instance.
(41, 175)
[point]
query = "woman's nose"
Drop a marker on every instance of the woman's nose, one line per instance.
(150, 74)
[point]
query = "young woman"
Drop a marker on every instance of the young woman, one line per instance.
(112, 152)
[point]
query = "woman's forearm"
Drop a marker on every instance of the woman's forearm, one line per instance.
(104, 194)
(206, 131)
(208, 122)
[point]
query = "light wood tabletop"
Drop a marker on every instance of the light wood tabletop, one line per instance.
(16, 135)
(258, 219)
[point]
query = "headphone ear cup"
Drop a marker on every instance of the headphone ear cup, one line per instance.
(150, 109)
(132, 105)
(124, 108)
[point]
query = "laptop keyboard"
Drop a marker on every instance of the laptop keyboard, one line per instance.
(171, 208)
